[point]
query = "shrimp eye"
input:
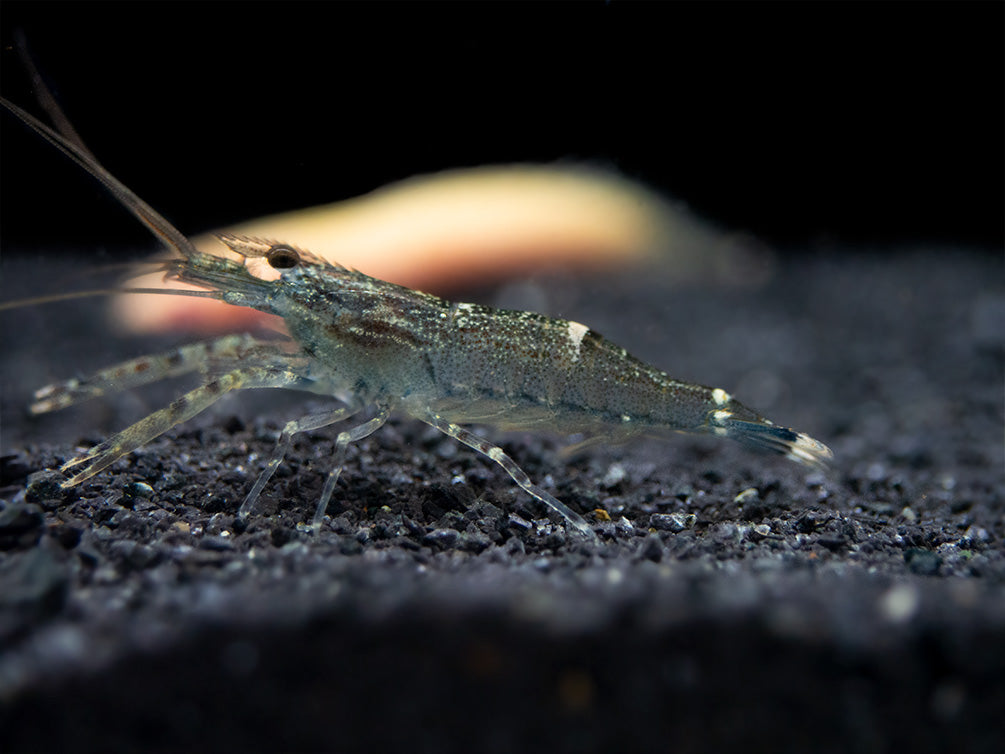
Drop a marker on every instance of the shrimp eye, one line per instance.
(282, 257)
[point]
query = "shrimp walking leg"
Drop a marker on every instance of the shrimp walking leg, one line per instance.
(341, 446)
(197, 357)
(519, 476)
(184, 408)
(306, 424)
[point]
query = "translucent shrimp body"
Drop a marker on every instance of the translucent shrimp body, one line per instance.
(382, 348)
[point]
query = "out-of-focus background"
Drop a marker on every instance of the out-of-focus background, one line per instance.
(805, 125)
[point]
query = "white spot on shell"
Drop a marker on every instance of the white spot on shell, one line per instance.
(576, 333)
(721, 397)
(721, 416)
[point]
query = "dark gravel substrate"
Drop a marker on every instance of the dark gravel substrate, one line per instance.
(733, 600)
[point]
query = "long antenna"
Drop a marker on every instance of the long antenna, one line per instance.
(45, 96)
(169, 235)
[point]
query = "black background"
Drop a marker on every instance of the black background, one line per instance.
(806, 124)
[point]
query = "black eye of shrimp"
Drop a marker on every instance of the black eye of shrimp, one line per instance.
(282, 257)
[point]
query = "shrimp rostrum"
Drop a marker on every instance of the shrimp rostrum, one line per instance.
(383, 348)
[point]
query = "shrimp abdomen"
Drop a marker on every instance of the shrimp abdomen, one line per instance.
(518, 370)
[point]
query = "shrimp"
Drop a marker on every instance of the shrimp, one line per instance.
(381, 348)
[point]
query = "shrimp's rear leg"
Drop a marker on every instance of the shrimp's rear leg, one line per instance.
(195, 401)
(306, 424)
(341, 446)
(519, 476)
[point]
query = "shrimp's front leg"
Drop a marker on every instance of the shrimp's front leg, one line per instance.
(222, 355)
(184, 408)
